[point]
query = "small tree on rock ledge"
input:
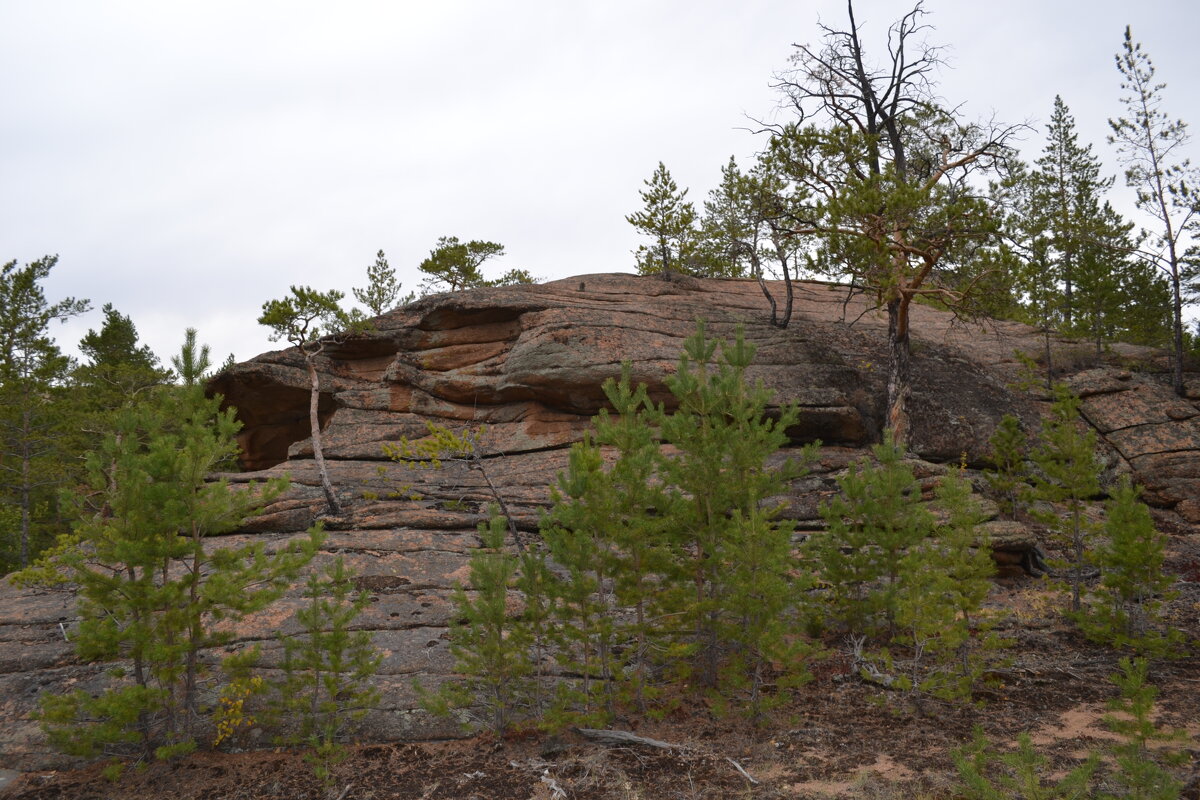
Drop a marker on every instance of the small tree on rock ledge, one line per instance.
(310, 320)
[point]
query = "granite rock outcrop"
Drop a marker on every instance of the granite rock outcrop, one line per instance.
(526, 363)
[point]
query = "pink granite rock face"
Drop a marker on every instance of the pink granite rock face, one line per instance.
(527, 363)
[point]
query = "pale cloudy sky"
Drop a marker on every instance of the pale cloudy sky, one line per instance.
(190, 160)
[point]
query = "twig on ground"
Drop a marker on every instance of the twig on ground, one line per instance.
(624, 737)
(745, 774)
(556, 791)
(866, 669)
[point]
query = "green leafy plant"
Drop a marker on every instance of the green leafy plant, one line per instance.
(442, 444)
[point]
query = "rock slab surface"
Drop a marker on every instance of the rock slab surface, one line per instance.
(527, 364)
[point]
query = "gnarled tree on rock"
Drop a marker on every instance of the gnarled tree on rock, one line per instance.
(308, 319)
(886, 179)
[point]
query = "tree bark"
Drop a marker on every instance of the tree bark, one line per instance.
(1049, 362)
(899, 370)
(26, 494)
(1177, 325)
(314, 422)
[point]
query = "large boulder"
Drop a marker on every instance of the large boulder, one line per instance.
(527, 364)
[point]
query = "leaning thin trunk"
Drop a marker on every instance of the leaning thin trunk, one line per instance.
(787, 287)
(756, 265)
(315, 423)
(899, 370)
(776, 320)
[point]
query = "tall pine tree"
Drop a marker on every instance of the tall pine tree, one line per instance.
(1149, 144)
(668, 219)
(150, 590)
(34, 459)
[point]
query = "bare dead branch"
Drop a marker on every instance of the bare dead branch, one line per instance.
(613, 737)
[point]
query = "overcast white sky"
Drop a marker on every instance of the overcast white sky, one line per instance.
(190, 160)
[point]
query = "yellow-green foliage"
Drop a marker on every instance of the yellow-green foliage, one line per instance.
(231, 714)
(429, 452)
(441, 444)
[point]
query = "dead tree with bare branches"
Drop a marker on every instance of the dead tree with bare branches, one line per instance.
(887, 180)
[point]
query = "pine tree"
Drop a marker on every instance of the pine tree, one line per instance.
(1009, 445)
(1069, 476)
(608, 529)
(118, 368)
(326, 668)
(536, 583)
(191, 365)
(669, 220)
(33, 458)
(1148, 144)
(945, 580)
(1144, 298)
(638, 529)
(731, 590)
(727, 245)
(1079, 274)
(745, 229)
(1036, 295)
(453, 266)
(873, 524)
(1126, 607)
(588, 632)
(1067, 186)
(677, 562)
(150, 590)
(382, 292)
(491, 650)
(310, 320)
(1142, 774)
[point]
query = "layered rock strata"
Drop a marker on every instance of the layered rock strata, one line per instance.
(527, 364)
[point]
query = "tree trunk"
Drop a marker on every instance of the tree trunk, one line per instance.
(195, 634)
(1177, 324)
(762, 284)
(315, 424)
(899, 370)
(26, 493)
(1049, 362)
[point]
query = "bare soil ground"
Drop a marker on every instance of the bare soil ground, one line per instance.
(841, 737)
